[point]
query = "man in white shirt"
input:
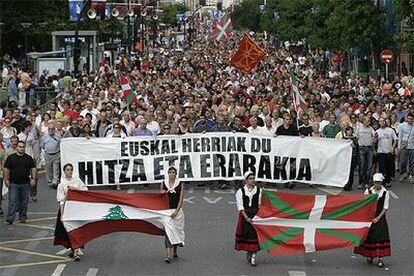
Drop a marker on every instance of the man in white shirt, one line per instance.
(127, 123)
(152, 125)
(268, 129)
(365, 134)
(254, 127)
(386, 141)
(89, 109)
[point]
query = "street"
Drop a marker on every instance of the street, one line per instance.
(27, 249)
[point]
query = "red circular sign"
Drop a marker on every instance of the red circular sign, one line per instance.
(386, 56)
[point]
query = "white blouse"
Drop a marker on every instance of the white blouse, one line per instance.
(249, 194)
(64, 185)
(380, 193)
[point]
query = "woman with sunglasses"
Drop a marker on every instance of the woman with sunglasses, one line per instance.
(67, 182)
(175, 190)
(7, 131)
(248, 200)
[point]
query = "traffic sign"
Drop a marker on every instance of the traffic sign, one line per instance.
(386, 56)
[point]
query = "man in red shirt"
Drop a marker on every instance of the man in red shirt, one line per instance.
(73, 114)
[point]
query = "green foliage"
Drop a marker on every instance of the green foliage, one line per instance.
(246, 16)
(322, 23)
(170, 12)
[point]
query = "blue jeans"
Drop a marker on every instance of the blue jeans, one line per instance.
(407, 160)
(365, 164)
(18, 198)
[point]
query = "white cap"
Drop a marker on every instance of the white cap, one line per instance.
(246, 174)
(378, 177)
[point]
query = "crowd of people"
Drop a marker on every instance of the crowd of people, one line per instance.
(197, 91)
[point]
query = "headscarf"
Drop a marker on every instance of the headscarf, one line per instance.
(167, 180)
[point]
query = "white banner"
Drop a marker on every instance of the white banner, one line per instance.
(208, 156)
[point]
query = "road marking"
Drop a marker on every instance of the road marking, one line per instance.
(229, 191)
(131, 190)
(331, 190)
(297, 273)
(212, 201)
(41, 213)
(232, 202)
(27, 240)
(41, 219)
(64, 251)
(35, 263)
(188, 199)
(32, 253)
(92, 272)
(35, 226)
(205, 189)
(59, 269)
(394, 195)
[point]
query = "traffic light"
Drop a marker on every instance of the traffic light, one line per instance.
(220, 6)
(202, 3)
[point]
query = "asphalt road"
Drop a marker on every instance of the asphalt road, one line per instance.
(211, 218)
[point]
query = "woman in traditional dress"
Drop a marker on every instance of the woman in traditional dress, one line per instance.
(248, 200)
(175, 190)
(377, 244)
(61, 235)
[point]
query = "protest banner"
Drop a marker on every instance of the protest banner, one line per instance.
(208, 156)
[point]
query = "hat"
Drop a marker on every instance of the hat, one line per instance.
(247, 174)
(378, 177)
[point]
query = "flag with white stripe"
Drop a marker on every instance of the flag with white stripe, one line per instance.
(295, 224)
(222, 29)
(127, 93)
(91, 214)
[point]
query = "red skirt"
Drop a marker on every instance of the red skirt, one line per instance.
(246, 236)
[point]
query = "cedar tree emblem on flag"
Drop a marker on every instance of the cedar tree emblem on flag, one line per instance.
(298, 99)
(296, 224)
(248, 55)
(116, 213)
(221, 30)
(127, 92)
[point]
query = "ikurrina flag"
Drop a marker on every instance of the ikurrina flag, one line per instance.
(248, 56)
(221, 30)
(295, 224)
(298, 99)
(127, 92)
(91, 214)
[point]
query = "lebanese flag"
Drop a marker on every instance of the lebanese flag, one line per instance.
(127, 93)
(91, 214)
(296, 224)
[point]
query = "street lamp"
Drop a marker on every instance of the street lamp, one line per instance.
(43, 25)
(25, 26)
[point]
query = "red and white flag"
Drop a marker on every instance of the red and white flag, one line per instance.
(127, 92)
(91, 214)
(222, 29)
(296, 224)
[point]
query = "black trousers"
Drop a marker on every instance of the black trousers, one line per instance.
(386, 165)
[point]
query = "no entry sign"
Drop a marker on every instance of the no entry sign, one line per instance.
(386, 56)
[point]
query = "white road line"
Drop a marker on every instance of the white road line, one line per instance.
(131, 190)
(188, 199)
(331, 190)
(64, 251)
(92, 272)
(230, 191)
(297, 273)
(212, 201)
(59, 269)
(394, 195)
(232, 202)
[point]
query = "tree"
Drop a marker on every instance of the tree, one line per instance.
(246, 16)
(171, 11)
(115, 213)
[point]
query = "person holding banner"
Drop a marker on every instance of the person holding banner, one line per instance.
(248, 200)
(175, 191)
(67, 182)
(377, 244)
